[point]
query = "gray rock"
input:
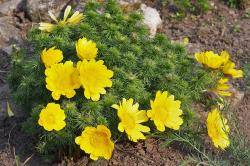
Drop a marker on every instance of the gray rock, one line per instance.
(78, 5)
(4, 91)
(7, 7)
(38, 9)
(4, 98)
(9, 34)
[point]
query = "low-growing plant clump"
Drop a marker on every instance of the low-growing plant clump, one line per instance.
(236, 3)
(87, 79)
(180, 7)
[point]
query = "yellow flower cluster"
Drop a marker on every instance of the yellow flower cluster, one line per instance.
(165, 112)
(74, 19)
(64, 79)
(222, 88)
(223, 63)
(94, 77)
(217, 127)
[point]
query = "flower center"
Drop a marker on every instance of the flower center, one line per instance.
(99, 139)
(93, 77)
(50, 119)
(162, 112)
(65, 81)
(128, 121)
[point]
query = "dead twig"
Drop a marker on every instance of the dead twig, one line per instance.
(16, 160)
(27, 160)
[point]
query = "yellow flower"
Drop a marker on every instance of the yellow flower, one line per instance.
(46, 27)
(86, 49)
(74, 19)
(131, 118)
(52, 117)
(229, 68)
(165, 111)
(62, 79)
(218, 129)
(222, 88)
(96, 142)
(185, 41)
(210, 59)
(94, 77)
(51, 56)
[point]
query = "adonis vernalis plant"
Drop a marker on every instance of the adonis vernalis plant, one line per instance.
(85, 81)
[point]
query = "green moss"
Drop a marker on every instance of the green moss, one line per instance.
(141, 67)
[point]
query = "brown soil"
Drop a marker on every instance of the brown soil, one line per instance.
(149, 152)
(243, 116)
(220, 29)
(16, 147)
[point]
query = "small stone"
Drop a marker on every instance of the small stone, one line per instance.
(152, 19)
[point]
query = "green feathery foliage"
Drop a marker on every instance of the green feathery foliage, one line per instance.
(141, 67)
